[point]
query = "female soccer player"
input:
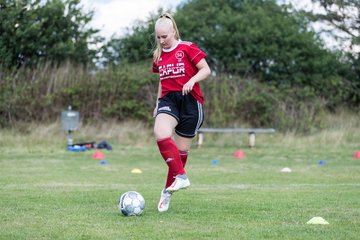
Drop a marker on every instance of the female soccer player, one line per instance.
(179, 111)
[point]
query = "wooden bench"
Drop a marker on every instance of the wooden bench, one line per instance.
(250, 131)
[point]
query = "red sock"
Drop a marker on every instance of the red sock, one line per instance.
(170, 176)
(170, 154)
(183, 156)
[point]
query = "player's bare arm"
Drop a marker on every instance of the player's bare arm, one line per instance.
(203, 73)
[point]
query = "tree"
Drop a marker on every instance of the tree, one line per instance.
(256, 39)
(341, 20)
(253, 38)
(34, 31)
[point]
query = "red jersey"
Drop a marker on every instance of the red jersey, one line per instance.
(177, 66)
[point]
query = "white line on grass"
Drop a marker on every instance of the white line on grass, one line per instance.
(57, 185)
(267, 186)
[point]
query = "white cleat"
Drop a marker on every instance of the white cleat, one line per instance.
(164, 202)
(178, 184)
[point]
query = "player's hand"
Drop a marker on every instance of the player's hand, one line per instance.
(188, 87)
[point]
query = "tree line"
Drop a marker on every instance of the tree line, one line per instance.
(258, 44)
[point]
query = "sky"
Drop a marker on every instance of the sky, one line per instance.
(113, 16)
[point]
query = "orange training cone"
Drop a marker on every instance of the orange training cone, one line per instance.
(98, 155)
(239, 154)
(357, 154)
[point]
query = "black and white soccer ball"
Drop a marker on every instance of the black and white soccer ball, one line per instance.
(131, 203)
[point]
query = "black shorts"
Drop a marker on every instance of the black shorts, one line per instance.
(185, 109)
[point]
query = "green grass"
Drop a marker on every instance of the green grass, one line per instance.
(49, 193)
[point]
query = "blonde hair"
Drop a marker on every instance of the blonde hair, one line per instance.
(165, 16)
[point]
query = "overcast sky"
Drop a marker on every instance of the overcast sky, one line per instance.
(113, 16)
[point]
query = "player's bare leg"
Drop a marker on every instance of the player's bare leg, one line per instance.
(164, 126)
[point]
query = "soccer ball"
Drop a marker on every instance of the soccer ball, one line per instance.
(131, 204)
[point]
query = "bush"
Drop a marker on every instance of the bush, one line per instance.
(233, 100)
(129, 93)
(40, 94)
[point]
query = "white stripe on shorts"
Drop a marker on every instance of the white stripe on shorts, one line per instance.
(201, 116)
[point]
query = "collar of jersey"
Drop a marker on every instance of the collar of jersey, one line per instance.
(170, 49)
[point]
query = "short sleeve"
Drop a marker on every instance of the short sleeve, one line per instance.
(195, 54)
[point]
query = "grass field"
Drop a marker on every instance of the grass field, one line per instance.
(49, 193)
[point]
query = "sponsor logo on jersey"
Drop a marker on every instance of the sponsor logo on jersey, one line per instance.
(172, 70)
(179, 55)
